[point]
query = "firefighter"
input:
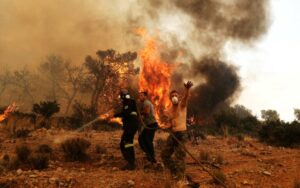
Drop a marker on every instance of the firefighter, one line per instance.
(176, 118)
(147, 135)
(130, 126)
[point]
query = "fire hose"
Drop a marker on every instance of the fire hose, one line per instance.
(186, 150)
(174, 137)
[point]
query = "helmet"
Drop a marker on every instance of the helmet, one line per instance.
(124, 94)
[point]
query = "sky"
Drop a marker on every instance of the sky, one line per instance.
(270, 69)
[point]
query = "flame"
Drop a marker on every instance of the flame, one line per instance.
(115, 120)
(11, 108)
(155, 76)
(109, 119)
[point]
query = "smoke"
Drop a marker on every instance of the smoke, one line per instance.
(221, 84)
(214, 23)
(31, 30)
(190, 30)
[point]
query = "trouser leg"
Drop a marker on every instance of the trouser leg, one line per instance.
(146, 142)
(141, 140)
(149, 143)
(180, 155)
(127, 147)
(166, 155)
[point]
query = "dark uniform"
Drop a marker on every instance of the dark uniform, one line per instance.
(147, 135)
(130, 127)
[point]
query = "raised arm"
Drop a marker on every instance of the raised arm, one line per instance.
(187, 86)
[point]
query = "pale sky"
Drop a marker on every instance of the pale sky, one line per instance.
(270, 68)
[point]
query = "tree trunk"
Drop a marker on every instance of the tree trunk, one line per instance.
(70, 101)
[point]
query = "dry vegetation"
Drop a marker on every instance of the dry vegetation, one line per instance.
(63, 158)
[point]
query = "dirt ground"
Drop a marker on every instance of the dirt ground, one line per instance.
(246, 163)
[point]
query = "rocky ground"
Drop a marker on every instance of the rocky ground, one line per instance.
(245, 162)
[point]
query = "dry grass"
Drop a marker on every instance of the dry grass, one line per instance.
(219, 159)
(297, 183)
(205, 156)
(75, 149)
(23, 152)
(219, 177)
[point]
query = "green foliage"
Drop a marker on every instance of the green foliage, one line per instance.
(75, 149)
(281, 133)
(23, 152)
(270, 115)
(39, 161)
(297, 114)
(46, 108)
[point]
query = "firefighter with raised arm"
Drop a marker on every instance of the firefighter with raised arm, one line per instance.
(130, 126)
(176, 122)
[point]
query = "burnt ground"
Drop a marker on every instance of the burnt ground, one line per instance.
(246, 163)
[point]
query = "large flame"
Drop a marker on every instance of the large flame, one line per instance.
(11, 108)
(155, 76)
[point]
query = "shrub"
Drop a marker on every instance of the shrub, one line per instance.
(46, 108)
(14, 163)
(21, 133)
(23, 152)
(297, 183)
(220, 159)
(5, 160)
(81, 114)
(219, 177)
(204, 156)
(39, 161)
(100, 150)
(104, 125)
(44, 148)
(240, 137)
(75, 149)
(281, 134)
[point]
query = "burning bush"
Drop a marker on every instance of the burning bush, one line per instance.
(38, 161)
(23, 152)
(75, 149)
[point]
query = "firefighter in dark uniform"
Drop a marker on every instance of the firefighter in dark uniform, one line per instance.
(130, 126)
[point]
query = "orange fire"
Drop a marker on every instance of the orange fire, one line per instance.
(11, 108)
(155, 76)
(107, 116)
